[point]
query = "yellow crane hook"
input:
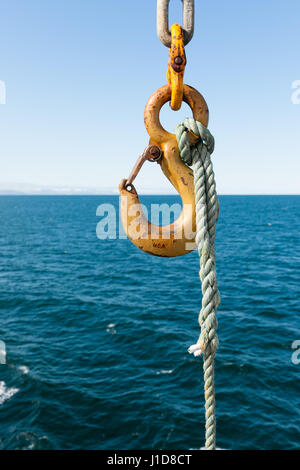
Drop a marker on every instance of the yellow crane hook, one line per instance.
(178, 238)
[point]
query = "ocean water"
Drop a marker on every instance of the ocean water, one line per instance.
(96, 332)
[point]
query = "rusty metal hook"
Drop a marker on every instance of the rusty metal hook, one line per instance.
(175, 239)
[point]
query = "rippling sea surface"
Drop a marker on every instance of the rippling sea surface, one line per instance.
(97, 332)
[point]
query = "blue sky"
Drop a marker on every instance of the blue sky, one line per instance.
(79, 72)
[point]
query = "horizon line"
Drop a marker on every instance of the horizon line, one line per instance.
(141, 194)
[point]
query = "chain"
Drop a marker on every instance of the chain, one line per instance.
(163, 30)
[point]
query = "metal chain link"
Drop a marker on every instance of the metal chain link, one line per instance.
(163, 30)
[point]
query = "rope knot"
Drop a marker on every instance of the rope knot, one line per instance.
(187, 151)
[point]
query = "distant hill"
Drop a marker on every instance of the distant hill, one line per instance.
(22, 189)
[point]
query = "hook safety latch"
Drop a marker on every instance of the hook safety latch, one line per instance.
(152, 153)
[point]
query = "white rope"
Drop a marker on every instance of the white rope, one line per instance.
(206, 204)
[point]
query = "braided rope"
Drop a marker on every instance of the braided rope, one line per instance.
(206, 202)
